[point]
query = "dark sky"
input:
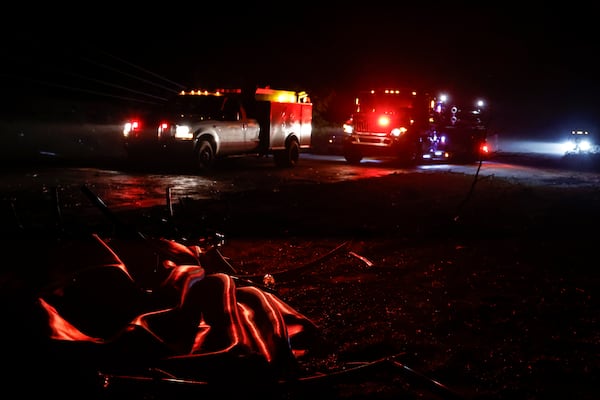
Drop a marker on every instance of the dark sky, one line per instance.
(536, 65)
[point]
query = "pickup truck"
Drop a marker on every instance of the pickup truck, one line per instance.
(208, 125)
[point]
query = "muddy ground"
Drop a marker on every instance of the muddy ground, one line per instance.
(478, 289)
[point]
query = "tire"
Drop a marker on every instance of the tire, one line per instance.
(289, 157)
(352, 155)
(410, 156)
(205, 156)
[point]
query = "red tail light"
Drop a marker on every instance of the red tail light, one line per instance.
(163, 127)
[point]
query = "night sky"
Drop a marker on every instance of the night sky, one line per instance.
(535, 65)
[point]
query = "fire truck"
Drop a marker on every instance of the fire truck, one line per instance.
(205, 125)
(415, 127)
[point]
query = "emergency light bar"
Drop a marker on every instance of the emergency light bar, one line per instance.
(265, 94)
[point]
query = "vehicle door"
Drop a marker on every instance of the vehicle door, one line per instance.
(238, 133)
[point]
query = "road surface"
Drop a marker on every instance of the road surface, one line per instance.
(123, 187)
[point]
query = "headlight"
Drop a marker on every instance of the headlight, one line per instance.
(397, 132)
(585, 145)
(569, 146)
(129, 127)
(183, 132)
(126, 129)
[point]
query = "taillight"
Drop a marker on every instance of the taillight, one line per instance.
(131, 126)
(163, 128)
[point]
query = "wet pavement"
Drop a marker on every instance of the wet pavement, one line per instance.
(124, 186)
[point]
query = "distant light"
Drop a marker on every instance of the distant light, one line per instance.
(577, 132)
(585, 145)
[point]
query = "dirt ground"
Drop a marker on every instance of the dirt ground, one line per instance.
(452, 288)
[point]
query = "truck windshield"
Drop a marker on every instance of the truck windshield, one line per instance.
(385, 103)
(197, 105)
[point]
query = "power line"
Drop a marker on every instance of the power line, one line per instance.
(136, 77)
(120, 87)
(179, 85)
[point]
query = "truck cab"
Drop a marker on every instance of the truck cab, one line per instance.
(385, 122)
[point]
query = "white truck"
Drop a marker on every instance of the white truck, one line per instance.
(208, 125)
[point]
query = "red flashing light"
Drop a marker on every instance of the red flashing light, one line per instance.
(384, 120)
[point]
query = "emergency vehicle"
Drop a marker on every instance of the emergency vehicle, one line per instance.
(414, 127)
(579, 142)
(212, 124)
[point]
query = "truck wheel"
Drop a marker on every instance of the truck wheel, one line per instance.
(406, 159)
(352, 155)
(410, 156)
(205, 158)
(288, 157)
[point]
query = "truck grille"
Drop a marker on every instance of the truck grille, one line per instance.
(361, 126)
(368, 126)
(374, 140)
